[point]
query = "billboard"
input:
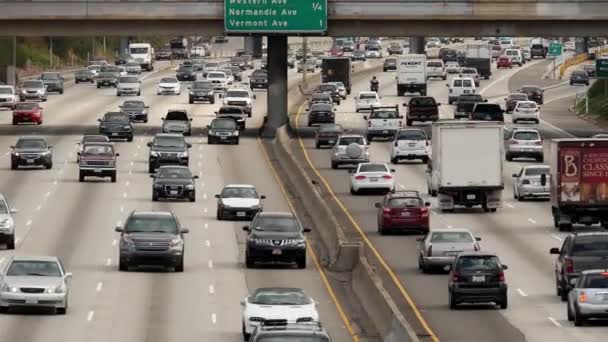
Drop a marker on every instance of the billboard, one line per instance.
(584, 174)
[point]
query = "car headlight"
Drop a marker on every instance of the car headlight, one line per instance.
(40, 91)
(177, 242)
(189, 187)
(236, 133)
(46, 153)
(191, 93)
(23, 91)
(210, 93)
(211, 132)
(225, 102)
(182, 154)
(102, 127)
(16, 154)
(153, 153)
(299, 243)
(6, 288)
(126, 127)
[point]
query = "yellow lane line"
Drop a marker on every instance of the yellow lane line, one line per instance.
(368, 242)
(315, 259)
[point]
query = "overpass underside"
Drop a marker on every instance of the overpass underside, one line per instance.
(346, 17)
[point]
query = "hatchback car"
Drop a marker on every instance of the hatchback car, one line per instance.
(169, 85)
(470, 72)
(366, 100)
(578, 77)
(39, 282)
(238, 201)
(28, 112)
(477, 277)
(53, 81)
(452, 67)
(31, 151)
(524, 143)
(371, 176)
(436, 68)
(223, 130)
(504, 62)
(512, 99)
(177, 121)
(128, 85)
(532, 181)
(403, 211)
(173, 182)
(535, 93)
(116, 125)
(409, 144)
(526, 111)
(275, 237)
(589, 297)
(439, 247)
(327, 134)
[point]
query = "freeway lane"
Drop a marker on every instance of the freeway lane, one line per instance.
(521, 233)
(59, 216)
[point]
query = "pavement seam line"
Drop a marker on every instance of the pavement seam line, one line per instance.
(324, 280)
(370, 245)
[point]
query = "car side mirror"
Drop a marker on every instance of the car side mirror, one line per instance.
(419, 239)
(438, 104)
(78, 153)
(447, 85)
(254, 97)
(189, 145)
(365, 117)
(152, 176)
(543, 179)
(12, 146)
(214, 112)
(68, 275)
(351, 171)
(184, 231)
(307, 230)
(195, 177)
(427, 204)
(162, 118)
(505, 267)
(242, 302)
(378, 205)
(14, 211)
(246, 228)
(149, 144)
(118, 229)
(393, 170)
(263, 197)
(477, 239)
(116, 154)
(447, 268)
(99, 120)
(50, 147)
(554, 250)
(515, 175)
(486, 100)
(404, 104)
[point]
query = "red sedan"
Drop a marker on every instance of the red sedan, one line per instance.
(403, 211)
(504, 62)
(336, 51)
(27, 112)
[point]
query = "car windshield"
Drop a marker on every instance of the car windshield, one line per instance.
(526, 105)
(168, 80)
(411, 134)
(3, 208)
(26, 106)
(367, 96)
(133, 104)
(434, 64)
(279, 297)
(98, 149)
(276, 224)
(530, 90)
(423, 101)
(19, 268)
(52, 76)
(518, 97)
(223, 124)
(106, 75)
(537, 171)
(326, 88)
(94, 138)
(259, 73)
(176, 115)
(237, 93)
(32, 84)
(526, 135)
(451, 237)
(373, 49)
(83, 72)
(116, 117)
(591, 245)
(488, 108)
(138, 50)
(284, 337)
(321, 107)
(174, 172)
(468, 71)
(201, 85)
(478, 262)
(579, 73)
(373, 168)
(129, 80)
(390, 61)
(239, 192)
(184, 68)
(168, 142)
(595, 281)
(151, 224)
(216, 75)
(383, 114)
(31, 143)
(330, 128)
(351, 140)
(405, 202)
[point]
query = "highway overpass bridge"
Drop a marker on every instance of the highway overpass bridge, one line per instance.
(346, 17)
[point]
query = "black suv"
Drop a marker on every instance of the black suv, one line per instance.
(173, 182)
(390, 64)
(280, 330)
(330, 89)
(477, 277)
(177, 121)
(421, 108)
(168, 149)
(201, 91)
(136, 110)
(535, 93)
(487, 112)
(321, 113)
(106, 79)
(186, 73)
(465, 104)
(328, 134)
(538, 50)
(258, 79)
(151, 238)
(116, 125)
(223, 130)
(97, 159)
(236, 113)
(31, 151)
(275, 237)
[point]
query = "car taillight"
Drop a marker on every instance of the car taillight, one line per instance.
(360, 177)
(387, 177)
(539, 142)
(369, 124)
(501, 277)
(512, 142)
(386, 210)
(429, 251)
(569, 265)
(582, 297)
(455, 277)
(424, 212)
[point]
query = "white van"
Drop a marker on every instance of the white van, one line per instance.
(142, 53)
(460, 86)
(435, 68)
(516, 56)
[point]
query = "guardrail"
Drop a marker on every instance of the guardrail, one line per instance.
(580, 58)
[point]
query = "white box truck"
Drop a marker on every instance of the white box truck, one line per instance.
(466, 164)
(143, 54)
(479, 56)
(411, 74)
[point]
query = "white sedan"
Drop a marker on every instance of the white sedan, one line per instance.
(371, 176)
(452, 67)
(169, 85)
(526, 111)
(366, 100)
(291, 304)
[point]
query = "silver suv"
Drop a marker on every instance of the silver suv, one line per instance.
(128, 85)
(524, 143)
(350, 149)
(7, 224)
(530, 183)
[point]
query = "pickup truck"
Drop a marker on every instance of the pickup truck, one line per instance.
(383, 122)
(97, 159)
(422, 108)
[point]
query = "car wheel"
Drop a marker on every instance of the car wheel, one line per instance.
(381, 229)
(452, 301)
(154, 196)
(578, 320)
(505, 302)
(334, 165)
(509, 157)
(193, 197)
(49, 166)
(113, 177)
(81, 177)
(425, 160)
(353, 191)
(61, 311)
(317, 145)
(433, 193)
(15, 122)
(151, 168)
(180, 266)
(301, 262)
(236, 142)
(117, 94)
(122, 265)
(61, 91)
(246, 336)
(249, 263)
(569, 313)
(540, 159)
(218, 215)
(563, 292)
(130, 139)
(394, 161)
(10, 242)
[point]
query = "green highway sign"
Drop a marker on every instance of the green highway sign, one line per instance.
(555, 49)
(601, 67)
(275, 16)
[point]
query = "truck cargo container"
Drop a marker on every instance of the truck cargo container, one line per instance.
(411, 74)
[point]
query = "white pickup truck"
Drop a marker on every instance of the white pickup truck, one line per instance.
(383, 122)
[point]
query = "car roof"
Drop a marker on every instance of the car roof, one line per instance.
(477, 253)
(404, 193)
(525, 129)
(368, 93)
(279, 289)
(538, 166)
(594, 271)
(99, 143)
(32, 137)
(351, 136)
(276, 214)
(151, 213)
(588, 233)
(169, 135)
(239, 186)
(451, 230)
(34, 258)
(525, 101)
(173, 167)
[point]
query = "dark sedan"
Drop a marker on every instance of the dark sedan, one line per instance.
(173, 182)
(223, 130)
(327, 135)
(84, 76)
(31, 151)
(258, 79)
(136, 110)
(106, 79)
(579, 76)
(590, 70)
(185, 73)
(534, 93)
(321, 113)
(116, 125)
(390, 64)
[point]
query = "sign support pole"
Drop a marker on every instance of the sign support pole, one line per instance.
(277, 86)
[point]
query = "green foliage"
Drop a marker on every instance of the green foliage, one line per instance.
(598, 100)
